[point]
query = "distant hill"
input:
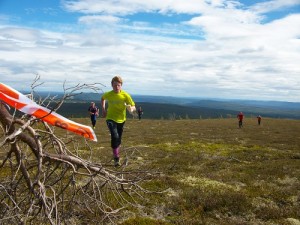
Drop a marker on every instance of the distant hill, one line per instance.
(212, 108)
(157, 107)
(264, 108)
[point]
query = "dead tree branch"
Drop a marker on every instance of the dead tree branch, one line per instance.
(43, 179)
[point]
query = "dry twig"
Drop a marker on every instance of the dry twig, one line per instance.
(43, 179)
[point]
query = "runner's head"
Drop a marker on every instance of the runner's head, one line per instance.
(116, 83)
(117, 79)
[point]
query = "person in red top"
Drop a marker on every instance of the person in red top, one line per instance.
(240, 117)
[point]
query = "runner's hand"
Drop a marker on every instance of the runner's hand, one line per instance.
(103, 113)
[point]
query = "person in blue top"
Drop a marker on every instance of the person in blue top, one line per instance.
(140, 112)
(94, 112)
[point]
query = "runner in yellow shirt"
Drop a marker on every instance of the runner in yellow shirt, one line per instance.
(115, 114)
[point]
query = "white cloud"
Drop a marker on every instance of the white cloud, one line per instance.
(127, 7)
(223, 51)
(102, 6)
(95, 19)
(274, 5)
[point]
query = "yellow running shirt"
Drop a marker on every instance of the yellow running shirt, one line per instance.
(116, 110)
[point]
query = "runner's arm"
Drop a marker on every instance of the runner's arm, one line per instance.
(103, 107)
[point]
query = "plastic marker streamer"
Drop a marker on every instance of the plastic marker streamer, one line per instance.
(26, 105)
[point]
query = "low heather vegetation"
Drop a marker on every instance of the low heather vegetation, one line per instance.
(209, 170)
(212, 171)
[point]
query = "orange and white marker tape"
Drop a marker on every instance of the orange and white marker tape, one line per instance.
(22, 103)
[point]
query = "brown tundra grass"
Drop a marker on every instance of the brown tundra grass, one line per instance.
(212, 171)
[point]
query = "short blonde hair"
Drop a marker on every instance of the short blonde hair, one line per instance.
(117, 79)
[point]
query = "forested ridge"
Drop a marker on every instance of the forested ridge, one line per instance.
(175, 111)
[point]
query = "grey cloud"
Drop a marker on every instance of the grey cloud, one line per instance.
(50, 42)
(264, 69)
(97, 42)
(13, 67)
(8, 45)
(105, 61)
(250, 50)
(22, 34)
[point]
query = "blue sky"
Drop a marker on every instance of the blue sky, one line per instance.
(191, 48)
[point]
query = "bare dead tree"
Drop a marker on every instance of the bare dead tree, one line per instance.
(43, 179)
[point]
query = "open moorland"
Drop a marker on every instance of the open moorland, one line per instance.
(209, 170)
(212, 171)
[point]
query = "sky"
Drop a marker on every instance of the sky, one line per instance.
(183, 48)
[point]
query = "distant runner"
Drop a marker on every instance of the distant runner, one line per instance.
(118, 100)
(94, 112)
(240, 117)
(140, 112)
(259, 119)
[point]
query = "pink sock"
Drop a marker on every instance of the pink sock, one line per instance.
(116, 152)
